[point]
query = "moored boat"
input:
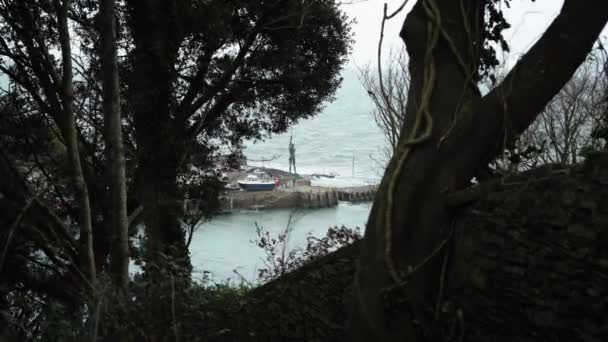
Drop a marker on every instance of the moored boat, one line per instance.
(254, 183)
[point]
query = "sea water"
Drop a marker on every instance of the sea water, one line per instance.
(328, 143)
(224, 248)
(344, 140)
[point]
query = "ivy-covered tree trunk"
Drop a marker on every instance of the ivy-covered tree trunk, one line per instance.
(160, 137)
(450, 133)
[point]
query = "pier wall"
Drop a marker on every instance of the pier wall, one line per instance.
(299, 197)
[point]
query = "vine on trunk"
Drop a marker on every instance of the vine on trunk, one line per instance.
(494, 24)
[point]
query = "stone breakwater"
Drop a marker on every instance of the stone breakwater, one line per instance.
(303, 196)
(295, 197)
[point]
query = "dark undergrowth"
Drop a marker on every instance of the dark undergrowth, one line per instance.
(171, 307)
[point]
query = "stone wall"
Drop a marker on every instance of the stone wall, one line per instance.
(531, 259)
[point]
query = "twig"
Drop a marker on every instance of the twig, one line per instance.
(135, 213)
(243, 279)
(380, 81)
(175, 328)
(12, 229)
(397, 10)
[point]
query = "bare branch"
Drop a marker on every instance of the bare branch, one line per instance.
(534, 80)
(11, 231)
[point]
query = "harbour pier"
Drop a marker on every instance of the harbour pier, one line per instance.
(304, 197)
(308, 197)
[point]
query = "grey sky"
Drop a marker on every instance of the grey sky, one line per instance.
(528, 19)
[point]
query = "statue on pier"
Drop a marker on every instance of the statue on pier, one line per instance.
(292, 156)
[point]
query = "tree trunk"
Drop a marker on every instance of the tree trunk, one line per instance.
(160, 136)
(119, 263)
(70, 134)
(403, 262)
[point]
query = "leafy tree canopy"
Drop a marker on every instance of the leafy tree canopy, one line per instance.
(240, 69)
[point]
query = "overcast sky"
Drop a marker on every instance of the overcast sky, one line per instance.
(528, 21)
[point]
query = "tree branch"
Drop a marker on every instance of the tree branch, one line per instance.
(546, 67)
(221, 104)
(188, 109)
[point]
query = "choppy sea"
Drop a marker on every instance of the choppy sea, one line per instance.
(343, 131)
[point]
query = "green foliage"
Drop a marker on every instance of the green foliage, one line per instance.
(494, 24)
(29, 317)
(297, 51)
(61, 325)
(586, 151)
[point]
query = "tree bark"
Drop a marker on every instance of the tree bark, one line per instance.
(160, 135)
(119, 263)
(70, 135)
(405, 252)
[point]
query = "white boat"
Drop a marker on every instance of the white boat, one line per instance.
(255, 183)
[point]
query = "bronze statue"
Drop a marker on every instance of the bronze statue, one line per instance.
(292, 156)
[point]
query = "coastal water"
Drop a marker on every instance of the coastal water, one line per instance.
(343, 131)
(225, 245)
(343, 139)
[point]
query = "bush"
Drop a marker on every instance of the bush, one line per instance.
(278, 261)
